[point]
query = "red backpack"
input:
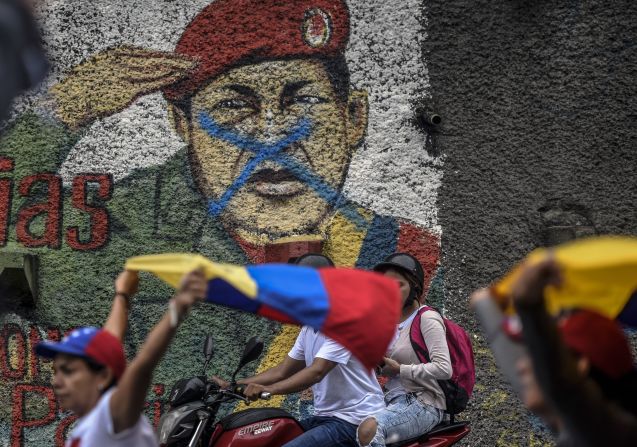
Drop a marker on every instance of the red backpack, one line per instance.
(457, 389)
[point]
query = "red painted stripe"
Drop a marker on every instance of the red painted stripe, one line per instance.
(424, 246)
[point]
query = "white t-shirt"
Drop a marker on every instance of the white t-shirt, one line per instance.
(96, 429)
(349, 391)
(394, 386)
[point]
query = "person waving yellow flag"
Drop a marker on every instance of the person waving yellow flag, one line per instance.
(598, 273)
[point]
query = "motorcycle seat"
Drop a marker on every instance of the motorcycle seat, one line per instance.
(251, 416)
(440, 429)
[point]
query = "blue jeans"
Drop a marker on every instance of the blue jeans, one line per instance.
(325, 431)
(404, 418)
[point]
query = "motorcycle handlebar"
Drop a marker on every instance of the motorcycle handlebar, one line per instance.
(239, 389)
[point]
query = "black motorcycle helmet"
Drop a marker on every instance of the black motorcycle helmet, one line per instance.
(315, 260)
(409, 267)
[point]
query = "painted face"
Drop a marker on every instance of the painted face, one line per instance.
(270, 144)
(402, 282)
(75, 385)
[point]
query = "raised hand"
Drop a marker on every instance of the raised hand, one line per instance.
(111, 80)
(528, 290)
(193, 288)
(127, 283)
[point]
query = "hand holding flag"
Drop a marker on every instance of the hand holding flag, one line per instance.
(598, 274)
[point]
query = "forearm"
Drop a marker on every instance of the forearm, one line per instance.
(297, 382)
(420, 373)
(267, 377)
(117, 321)
(128, 400)
(554, 366)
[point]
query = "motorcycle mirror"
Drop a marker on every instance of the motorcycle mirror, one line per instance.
(251, 352)
(208, 347)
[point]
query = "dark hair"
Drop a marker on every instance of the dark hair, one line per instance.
(414, 288)
(96, 368)
(622, 391)
(335, 67)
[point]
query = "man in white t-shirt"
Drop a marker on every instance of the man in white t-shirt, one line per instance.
(345, 392)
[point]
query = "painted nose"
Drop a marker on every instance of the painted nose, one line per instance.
(274, 125)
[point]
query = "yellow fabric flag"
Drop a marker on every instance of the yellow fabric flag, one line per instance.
(599, 274)
(171, 267)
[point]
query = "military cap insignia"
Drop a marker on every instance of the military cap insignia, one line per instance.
(317, 28)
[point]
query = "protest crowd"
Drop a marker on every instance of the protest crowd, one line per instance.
(384, 367)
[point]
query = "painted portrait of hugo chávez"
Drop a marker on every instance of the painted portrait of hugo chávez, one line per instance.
(259, 90)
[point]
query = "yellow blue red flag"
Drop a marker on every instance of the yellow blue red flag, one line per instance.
(357, 308)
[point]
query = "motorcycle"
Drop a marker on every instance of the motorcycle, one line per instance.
(194, 403)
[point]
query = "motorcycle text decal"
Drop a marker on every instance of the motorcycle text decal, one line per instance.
(256, 429)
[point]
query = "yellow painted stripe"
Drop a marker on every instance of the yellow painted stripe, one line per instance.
(343, 246)
(277, 350)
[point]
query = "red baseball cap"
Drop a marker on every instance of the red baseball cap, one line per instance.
(229, 33)
(92, 343)
(599, 339)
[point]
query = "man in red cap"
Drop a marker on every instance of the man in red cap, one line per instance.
(260, 92)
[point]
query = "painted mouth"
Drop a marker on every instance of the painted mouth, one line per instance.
(275, 183)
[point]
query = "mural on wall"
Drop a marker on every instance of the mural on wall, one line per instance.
(243, 140)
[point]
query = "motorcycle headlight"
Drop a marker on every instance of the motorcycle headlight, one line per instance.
(170, 421)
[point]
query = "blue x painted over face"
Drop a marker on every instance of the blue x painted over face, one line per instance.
(270, 145)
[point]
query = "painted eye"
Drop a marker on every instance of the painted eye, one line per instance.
(235, 103)
(308, 99)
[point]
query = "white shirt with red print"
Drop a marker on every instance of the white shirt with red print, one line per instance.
(96, 429)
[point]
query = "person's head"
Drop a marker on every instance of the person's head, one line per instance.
(268, 114)
(314, 260)
(602, 354)
(86, 363)
(409, 273)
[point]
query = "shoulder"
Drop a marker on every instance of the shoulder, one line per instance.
(431, 318)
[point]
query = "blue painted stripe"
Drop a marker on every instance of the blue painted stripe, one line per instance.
(293, 290)
(267, 151)
(380, 241)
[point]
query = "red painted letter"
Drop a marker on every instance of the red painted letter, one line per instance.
(99, 216)
(19, 423)
(6, 165)
(51, 208)
(9, 332)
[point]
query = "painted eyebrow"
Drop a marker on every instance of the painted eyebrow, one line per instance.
(293, 87)
(241, 89)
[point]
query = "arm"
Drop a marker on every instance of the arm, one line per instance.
(300, 381)
(125, 287)
(578, 400)
(282, 371)
(439, 368)
(506, 351)
(127, 401)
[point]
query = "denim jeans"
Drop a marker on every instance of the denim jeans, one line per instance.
(404, 418)
(325, 431)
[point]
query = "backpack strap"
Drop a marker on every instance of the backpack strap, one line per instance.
(415, 336)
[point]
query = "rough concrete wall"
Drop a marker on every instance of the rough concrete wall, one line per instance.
(538, 102)
(112, 158)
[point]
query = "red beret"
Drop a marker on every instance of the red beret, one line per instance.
(227, 33)
(599, 339)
